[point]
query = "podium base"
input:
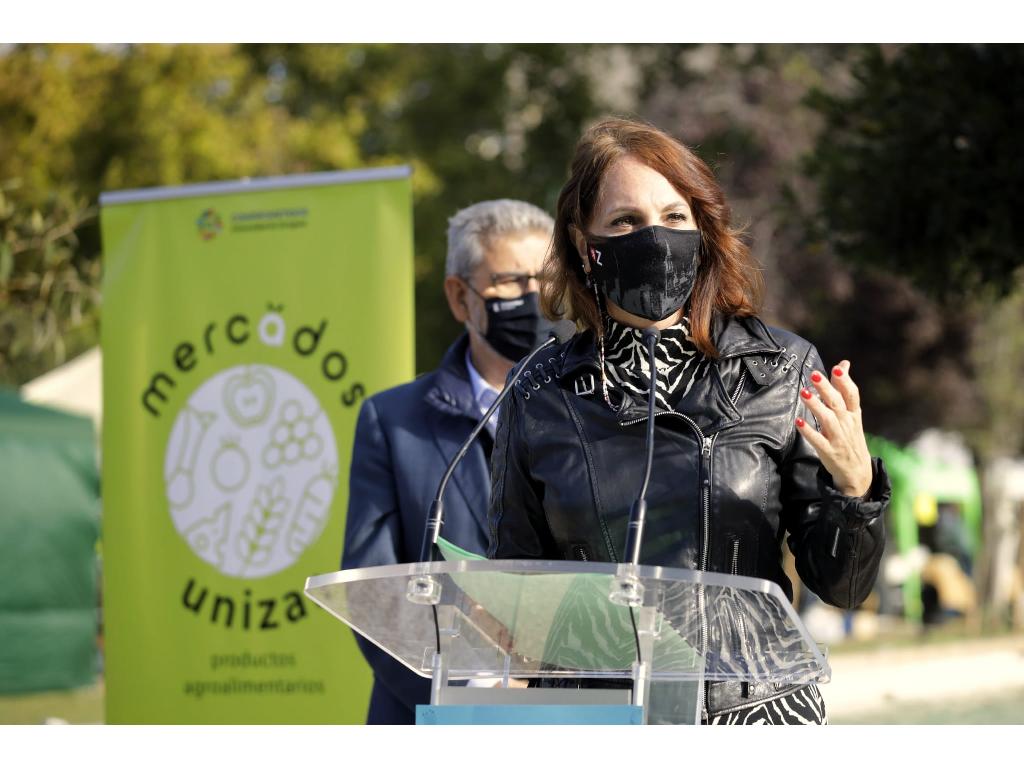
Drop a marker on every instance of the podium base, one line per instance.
(529, 714)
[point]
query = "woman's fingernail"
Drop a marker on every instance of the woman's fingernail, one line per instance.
(800, 422)
(805, 393)
(837, 371)
(815, 377)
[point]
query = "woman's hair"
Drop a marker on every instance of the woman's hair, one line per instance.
(728, 279)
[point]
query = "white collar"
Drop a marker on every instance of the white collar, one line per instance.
(478, 382)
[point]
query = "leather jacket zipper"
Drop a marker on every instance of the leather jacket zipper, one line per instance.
(581, 553)
(739, 602)
(739, 385)
(707, 446)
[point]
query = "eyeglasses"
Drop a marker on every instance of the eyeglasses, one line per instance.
(509, 285)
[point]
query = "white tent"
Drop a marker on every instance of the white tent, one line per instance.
(76, 386)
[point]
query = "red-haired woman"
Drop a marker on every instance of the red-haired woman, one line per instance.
(642, 237)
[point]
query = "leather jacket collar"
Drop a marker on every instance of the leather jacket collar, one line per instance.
(707, 404)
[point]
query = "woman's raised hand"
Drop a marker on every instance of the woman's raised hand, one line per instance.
(840, 444)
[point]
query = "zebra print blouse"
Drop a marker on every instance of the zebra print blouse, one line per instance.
(678, 361)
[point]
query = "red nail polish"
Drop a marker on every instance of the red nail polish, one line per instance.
(815, 377)
(800, 422)
(805, 393)
(837, 371)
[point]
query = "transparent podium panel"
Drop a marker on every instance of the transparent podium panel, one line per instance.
(656, 634)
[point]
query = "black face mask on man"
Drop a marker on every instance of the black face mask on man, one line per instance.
(649, 272)
(515, 326)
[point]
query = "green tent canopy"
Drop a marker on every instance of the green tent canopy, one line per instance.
(49, 527)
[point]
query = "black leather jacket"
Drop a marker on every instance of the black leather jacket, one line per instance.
(732, 475)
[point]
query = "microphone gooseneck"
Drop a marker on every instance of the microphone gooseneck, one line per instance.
(638, 512)
(562, 331)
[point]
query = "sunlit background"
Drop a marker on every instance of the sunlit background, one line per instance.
(880, 188)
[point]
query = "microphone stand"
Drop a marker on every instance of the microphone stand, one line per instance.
(424, 589)
(627, 589)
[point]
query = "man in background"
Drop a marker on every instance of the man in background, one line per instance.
(406, 436)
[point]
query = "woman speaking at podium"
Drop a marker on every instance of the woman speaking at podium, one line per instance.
(756, 441)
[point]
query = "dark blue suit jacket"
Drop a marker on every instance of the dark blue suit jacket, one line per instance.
(405, 438)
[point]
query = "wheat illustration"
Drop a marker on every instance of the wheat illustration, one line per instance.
(262, 526)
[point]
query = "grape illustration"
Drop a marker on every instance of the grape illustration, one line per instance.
(292, 439)
(312, 446)
(282, 434)
(230, 466)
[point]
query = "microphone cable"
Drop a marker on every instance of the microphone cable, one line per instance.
(638, 514)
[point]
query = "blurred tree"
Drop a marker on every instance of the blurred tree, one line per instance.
(48, 293)
(919, 169)
(91, 118)
(918, 175)
(744, 109)
(474, 121)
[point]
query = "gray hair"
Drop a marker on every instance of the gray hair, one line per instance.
(471, 229)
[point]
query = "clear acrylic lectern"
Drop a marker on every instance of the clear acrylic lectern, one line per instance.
(599, 642)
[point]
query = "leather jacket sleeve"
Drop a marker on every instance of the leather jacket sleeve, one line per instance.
(516, 522)
(837, 540)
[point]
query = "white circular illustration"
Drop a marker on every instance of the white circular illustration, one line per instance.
(250, 470)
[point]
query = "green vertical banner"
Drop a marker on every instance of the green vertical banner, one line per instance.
(243, 325)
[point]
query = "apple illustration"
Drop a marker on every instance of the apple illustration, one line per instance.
(249, 396)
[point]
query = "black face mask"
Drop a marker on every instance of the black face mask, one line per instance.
(649, 272)
(515, 326)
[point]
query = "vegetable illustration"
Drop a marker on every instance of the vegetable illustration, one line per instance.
(230, 466)
(311, 513)
(185, 441)
(208, 536)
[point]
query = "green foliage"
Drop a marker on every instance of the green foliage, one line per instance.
(919, 167)
(49, 295)
(474, 121)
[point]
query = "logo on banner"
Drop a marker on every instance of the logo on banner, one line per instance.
(209, 224)
(250, 470)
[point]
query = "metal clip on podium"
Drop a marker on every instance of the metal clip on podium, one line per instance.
(565, 626)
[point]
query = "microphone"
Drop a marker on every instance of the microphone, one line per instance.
(626, 588)
(638, 512)
(560, 333)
